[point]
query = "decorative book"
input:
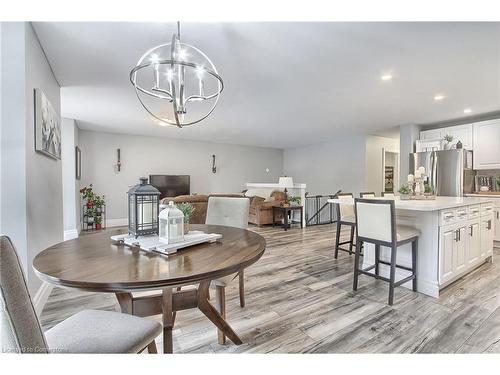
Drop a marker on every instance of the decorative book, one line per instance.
(152, 242)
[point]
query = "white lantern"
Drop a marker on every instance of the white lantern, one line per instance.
(171, 224)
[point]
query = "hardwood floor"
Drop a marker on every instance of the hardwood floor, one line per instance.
(300, 299)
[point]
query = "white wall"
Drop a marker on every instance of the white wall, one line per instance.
(43, 174)
(13, 146)
(31, 192)
(408, 134)
(142, 156)
(328, 167)
(71, 214)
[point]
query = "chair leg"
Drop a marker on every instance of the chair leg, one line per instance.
(356, 265)
(351, 243)
(377, 259)
(220, 301)
(392, 276)
(337, 240)
(152, 348)
(241, 276)
(414, 246)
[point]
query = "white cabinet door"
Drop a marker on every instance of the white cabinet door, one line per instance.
(496, 222)
(431, 134)
(487, 144)
(460, 250)
(447, 246)
(473, 243)
(462, 133)
(486, 236)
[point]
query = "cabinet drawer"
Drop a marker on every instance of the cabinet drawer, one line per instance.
(474, 211)
(486, 208)
(461, 214)
(447, 217)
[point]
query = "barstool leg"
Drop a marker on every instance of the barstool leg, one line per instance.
(356, 265)
(414, 246)
(377, 259)
(392, 276)
(337, 240)
(352, 240)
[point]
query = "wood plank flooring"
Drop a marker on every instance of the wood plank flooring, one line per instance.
(300, 300)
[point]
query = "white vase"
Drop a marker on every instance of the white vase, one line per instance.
(447, 146)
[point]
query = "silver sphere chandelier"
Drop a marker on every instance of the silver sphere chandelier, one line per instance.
(177, 83)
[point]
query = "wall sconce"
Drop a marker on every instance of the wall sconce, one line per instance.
(118, 162)
(214, 168)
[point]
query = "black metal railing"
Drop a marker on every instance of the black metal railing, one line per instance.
(318, 210)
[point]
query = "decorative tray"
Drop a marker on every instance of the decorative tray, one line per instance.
(152, 242)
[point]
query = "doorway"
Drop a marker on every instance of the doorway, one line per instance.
(390, 171)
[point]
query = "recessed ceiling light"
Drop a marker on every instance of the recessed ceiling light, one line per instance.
(438, 97)
(386, 77)
(467, 110)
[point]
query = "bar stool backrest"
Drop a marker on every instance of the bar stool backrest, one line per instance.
(344, 210)
(367, 194)
(375, 220)
(385, 194)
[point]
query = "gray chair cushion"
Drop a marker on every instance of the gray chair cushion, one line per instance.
(95, 331)
(19, 325)
(232, 212)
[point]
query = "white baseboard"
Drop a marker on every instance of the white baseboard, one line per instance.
(41, 296)
(70, 234)
(117, 222)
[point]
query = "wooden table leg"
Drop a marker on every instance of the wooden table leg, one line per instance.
(220, 300)
(213, 315)
(168, 320)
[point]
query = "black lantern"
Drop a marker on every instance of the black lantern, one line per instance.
(143, 204)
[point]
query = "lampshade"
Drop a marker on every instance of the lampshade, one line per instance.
(286, 182)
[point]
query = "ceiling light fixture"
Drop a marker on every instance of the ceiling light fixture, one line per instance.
(439, 97)
(467, 111)
(177, 73)
(386, 77)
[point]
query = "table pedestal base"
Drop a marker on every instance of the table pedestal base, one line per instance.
(169, 302)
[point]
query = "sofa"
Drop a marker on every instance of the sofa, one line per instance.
(261, 204)
(199, 202)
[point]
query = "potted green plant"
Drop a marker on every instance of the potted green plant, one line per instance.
(448, 138)
(98, 203)
(87, 194)
(90, 215)
(294, 201)
(187, 209)
(428, 189)
(405, 192)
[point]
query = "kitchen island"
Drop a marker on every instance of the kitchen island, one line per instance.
(456, 237)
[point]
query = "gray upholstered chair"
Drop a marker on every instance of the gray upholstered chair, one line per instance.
(89, 331)
(231, 212)
(376, 224)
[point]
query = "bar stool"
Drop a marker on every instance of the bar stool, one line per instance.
(345, 216)
(376, 224)
(387, 194)
(367, 194)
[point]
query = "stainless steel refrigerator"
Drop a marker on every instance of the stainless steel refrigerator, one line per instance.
(449, 171)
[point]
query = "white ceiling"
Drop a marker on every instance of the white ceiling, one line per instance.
(286, 84)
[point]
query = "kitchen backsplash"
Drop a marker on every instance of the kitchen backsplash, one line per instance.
(494, 173)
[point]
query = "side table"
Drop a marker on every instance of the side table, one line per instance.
(287, 211)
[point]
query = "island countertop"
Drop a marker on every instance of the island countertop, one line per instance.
(440, 203)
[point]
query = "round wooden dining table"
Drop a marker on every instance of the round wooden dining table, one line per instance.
(93, 262)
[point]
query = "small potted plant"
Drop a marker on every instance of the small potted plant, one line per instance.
(405, 192)
(448, 139)
(90, 216)
(98, 222)
(87, 194)
(428, 190)
(187, 209)
(294, 201)
(98, 203)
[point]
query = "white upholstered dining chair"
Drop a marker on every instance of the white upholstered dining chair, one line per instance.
(231, 212)
(89, 331)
